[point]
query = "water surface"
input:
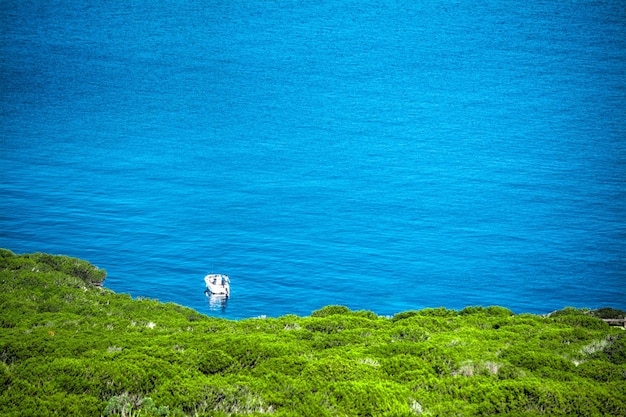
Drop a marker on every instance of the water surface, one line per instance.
(381, 155)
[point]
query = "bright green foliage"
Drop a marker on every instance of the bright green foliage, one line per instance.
(71, 348)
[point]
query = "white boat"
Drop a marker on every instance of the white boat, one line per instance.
(218, 284)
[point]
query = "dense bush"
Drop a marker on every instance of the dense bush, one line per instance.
(608, 313)
(71, 348)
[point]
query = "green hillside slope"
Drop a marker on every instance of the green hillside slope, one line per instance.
(71, 348)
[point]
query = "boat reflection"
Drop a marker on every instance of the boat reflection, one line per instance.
(217, 302)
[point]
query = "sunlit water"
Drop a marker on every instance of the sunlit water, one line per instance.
(385, 156)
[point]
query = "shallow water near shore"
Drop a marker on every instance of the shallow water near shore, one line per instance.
(378, 155)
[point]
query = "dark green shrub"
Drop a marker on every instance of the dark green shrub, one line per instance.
(569, 311)
(5, 377)
(438, 312)
(602, 371)
(16, 350)
(409, 334)
(215, 362)
(546, 362)
(405, 368)
(325, 325)
(6, 254)
(404, 315)
(289, 365)
(405, 348)
(491, 311)
(370, 399)
(330, 311)
(581, 320)
(611, 349)
(366, 314)
(616, 351)
(608, 313)
(89, 273)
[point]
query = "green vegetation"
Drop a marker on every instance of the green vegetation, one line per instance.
(71, 348)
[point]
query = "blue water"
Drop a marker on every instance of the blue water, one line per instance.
(381, 155)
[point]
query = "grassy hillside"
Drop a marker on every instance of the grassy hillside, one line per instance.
(71, 348)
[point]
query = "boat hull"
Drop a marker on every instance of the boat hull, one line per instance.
(218, 284)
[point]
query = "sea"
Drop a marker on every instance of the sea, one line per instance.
(381, 155)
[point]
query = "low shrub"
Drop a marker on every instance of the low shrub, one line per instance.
(70, 348)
